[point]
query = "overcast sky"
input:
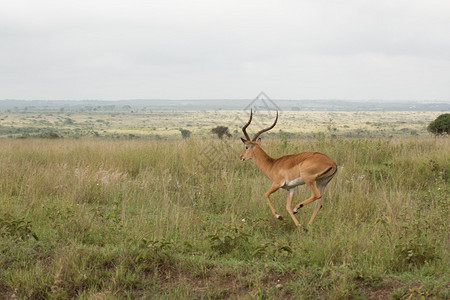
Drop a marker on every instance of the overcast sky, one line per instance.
(178, 49)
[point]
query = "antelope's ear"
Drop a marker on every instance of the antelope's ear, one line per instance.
(258, 141)
(243, 140)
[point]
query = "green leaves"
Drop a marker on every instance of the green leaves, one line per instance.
(227, 238)
(16, 228)
(272, 250)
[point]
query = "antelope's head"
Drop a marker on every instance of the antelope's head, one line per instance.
(252, 144)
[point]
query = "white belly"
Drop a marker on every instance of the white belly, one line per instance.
(293, 183)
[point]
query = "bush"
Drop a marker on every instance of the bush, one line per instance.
(50, 135)
(185, 133)
(440, 125)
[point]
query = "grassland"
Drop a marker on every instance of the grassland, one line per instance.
(98, 218)
(166, 124)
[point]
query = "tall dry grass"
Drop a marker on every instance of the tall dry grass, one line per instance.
(87, 218)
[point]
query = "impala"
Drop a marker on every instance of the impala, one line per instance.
(312, 168)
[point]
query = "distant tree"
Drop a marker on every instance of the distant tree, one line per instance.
(185, 133)
(440, 125)
(68, 121)
(221, 131)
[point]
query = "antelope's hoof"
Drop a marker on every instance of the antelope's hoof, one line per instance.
(302, 228)
(295, 211)
(279, 217)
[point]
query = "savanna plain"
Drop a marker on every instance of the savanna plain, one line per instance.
(117, 205)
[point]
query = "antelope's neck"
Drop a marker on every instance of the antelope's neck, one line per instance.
(263, 161)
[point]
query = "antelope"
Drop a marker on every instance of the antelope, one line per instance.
(312, 168)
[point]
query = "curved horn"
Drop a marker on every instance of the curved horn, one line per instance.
(244, 129)
(267, 129)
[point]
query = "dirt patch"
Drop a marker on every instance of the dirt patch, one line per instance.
(382, 288)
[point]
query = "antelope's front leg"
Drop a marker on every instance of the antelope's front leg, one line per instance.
(273, 189)
(289, 206)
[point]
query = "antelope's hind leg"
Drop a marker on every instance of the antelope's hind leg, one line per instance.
(315, 194)
(316, 210)
(322, 183)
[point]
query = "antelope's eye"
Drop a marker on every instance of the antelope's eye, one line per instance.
(246, 147)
